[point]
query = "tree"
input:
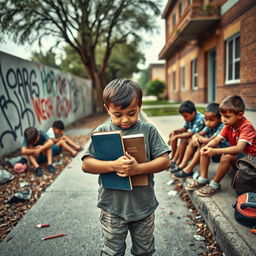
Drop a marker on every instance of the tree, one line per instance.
(48, 58)
(155, 87)
(144, 78)
(85, 25)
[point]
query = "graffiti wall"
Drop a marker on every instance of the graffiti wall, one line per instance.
(35, 95)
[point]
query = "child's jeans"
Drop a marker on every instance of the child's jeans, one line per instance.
(114, 233)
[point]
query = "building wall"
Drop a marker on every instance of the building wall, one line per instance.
(157, 72)
(35, 95)
(245, 24)
(240, 18)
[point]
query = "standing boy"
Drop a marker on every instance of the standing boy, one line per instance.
(38, 147)
(194, 124)
(61, 141)
(241, 135)
(213, 126)
(123, 211)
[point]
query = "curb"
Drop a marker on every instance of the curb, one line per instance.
(229, 240)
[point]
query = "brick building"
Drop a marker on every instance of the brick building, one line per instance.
(210, 50)
(157, 71)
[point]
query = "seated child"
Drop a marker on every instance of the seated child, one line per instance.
(38, 148)
(213, 126)
(61, 141)
(241, 135)
(194, 124)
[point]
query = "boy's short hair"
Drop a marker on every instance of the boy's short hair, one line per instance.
(213, 108)
(58, 124)
(233, 103)
(187, 107)
(30, 134)
(121, 92)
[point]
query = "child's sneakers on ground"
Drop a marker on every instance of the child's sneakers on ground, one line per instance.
(51, 169)
(38, 172)
(208, 190)
(194, 185)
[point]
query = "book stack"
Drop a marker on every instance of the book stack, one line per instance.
(110, 146)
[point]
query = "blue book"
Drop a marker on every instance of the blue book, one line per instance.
(109, 146)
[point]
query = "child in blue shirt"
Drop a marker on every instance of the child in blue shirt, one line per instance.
(123, 211)
(194, 124)
(213, 126)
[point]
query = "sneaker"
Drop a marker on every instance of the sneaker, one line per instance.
(38, 172)
(194, 185)
(207, 191)
(173, 165)
(182, 174)
(51, 169)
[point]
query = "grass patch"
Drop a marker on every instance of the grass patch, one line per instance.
(159, 102)
(169, 111)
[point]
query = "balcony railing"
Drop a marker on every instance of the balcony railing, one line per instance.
(196, 20)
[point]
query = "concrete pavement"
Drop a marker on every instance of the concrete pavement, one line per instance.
(73, 193)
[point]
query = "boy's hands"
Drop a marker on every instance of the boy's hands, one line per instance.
(208, 151)
(38, 150)
(127, 165)
(196, 140)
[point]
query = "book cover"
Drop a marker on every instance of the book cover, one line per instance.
(135, 145)
(109, 146)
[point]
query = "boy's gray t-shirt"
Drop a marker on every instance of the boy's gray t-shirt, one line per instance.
(141, 201)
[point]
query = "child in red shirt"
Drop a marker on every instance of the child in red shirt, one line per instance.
(241, 135)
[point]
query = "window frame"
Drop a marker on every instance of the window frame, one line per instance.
(174, 81)
(194, 74)
(234, 59)
(183, 77)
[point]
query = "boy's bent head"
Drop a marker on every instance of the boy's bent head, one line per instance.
(31, 135)
(187, 107)
(58, 124)
(213, 108)
(212, 115)
(121, 92)
(233, 104)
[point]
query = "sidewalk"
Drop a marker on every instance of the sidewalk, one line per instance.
(233, 238)
(64, 203)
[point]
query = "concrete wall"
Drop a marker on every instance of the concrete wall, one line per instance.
(35, 95)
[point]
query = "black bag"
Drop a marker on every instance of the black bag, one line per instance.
(245, 178)
(245, 209)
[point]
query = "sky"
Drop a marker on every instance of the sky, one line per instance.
(151, 51)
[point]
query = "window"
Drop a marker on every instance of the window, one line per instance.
(173, 20)
(194, 74)
(182, 78)
(181, 8)
(233, 59)
(174, 80)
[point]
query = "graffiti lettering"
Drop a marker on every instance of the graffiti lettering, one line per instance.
(43, 108)
(63, 107)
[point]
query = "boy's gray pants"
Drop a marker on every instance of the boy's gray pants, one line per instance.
(115, 230)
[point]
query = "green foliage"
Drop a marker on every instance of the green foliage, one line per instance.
(144, 78)
(84, 25)
(71, 62)
(49, 58)
(155, 87)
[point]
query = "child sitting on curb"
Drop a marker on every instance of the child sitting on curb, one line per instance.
(241, 135)
(213, 127)
(194, 124)
(61, 141)
(38, 148)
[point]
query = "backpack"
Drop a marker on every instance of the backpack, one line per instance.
(245, 209)
(245, 178)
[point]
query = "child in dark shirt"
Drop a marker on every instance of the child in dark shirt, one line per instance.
(38, 148)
